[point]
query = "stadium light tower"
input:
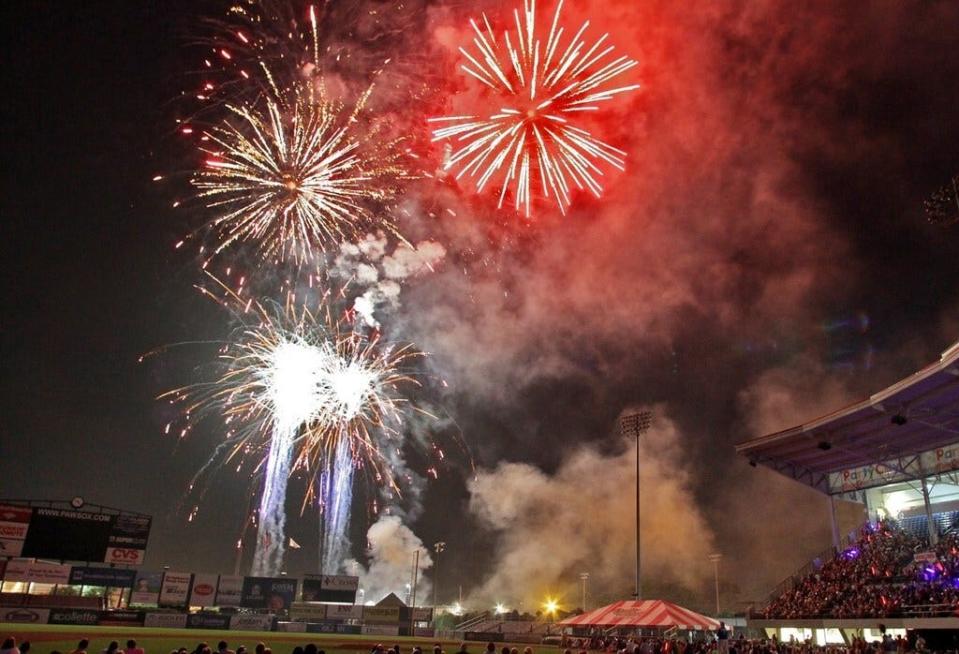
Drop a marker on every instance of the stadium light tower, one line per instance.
(438, 548)
(715, 557)
(634, 425)
(584, 577)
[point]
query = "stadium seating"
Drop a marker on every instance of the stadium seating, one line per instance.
(879, 576)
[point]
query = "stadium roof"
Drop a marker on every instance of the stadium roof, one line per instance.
(906, 431)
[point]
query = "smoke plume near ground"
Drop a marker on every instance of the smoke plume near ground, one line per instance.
(550, 528)
(390, 548)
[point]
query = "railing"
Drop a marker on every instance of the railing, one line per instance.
(929, 610)
(467, 625)
(792, 580)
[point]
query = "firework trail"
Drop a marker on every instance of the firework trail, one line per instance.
(303, 393)
(335, 495)
(532, 141)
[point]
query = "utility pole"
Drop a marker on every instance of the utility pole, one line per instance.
(416, 570)
(634, 425)
(715, 558)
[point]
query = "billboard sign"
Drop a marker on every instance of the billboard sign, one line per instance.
(121, 618)
(308, 611)
(10, 547)
(381, 614)
(931, 462)
(274, 593)
(330, 588)
(165, 620)
(381, 630)
(240, 622)
(24, 615)
(344, 612)
(203, 593)
(146, 588)
(67, 534)
(175, 588)
(107, 577)
(41, 573)
(74, 616)
(207, 621)
(229, 591)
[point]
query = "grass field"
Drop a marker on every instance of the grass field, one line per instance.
(46, 638)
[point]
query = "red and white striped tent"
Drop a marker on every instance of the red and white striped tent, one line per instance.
(642, 613)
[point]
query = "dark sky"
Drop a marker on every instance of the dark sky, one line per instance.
(771, 221)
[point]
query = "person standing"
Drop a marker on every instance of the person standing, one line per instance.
(722, 638)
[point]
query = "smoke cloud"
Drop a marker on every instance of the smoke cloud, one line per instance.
(550, 528)
(390, 548)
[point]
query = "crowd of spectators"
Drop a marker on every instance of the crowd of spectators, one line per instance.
(742, 645)
(879, 576)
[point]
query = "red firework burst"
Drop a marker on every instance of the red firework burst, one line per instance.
(532, 139)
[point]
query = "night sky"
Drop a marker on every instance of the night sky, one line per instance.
(764, 259)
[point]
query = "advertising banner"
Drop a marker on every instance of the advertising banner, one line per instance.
(931, 462)
(308, 612)
(274, 593)
(175, 588)
(10, 547)
(68, 535)
(381, 615)
(381, 630)
(165, 620)
(204, 590)
(422, 614)
(146, 588)
(13, 530)
(330, 588)
(344, 612)
(291, 626)
(14, 522)
(107, 577)
(207, 621)
(121, 618)
(229, 591)
(321, 627)
(124, 555)
(130, 531)
(74, 616)
(30, 616)
(14, 513)
(348, 629)
(41, 573)
(251, 622)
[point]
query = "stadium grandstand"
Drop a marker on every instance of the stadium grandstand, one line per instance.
(897, 454)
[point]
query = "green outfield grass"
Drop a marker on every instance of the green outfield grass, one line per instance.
(46, 638)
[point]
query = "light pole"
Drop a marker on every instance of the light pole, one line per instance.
(438, 548)
(634, 425)
(584, 577)
(715, 558)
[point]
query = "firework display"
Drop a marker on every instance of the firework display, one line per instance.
(292, 176)
(292, 180)
(302, 392)
(532, 141)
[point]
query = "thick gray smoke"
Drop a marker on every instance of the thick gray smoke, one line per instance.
(550, 528)
(390, 548)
